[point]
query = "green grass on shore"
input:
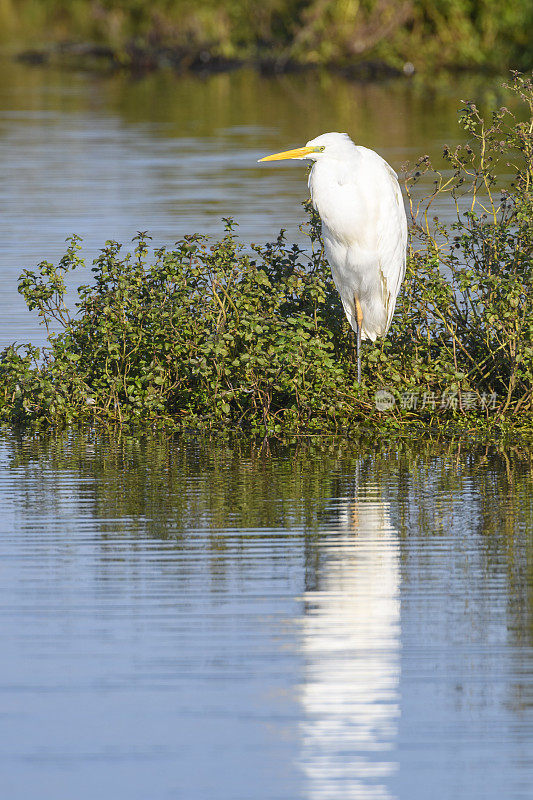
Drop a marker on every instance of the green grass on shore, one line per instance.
(452, 34)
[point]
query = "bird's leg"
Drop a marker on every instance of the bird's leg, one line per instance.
(359, 317)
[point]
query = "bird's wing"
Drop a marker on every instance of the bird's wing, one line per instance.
(391, 241)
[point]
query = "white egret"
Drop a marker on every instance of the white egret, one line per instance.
(364, 228)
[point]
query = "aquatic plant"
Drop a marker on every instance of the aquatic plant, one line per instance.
(215, 335)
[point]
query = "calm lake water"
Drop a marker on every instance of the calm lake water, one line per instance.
(193, 619)
(202, 620)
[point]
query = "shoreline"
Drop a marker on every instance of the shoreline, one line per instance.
(141, 59)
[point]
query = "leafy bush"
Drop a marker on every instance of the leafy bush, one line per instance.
(211, 335)
(202, 334)
(449, 33)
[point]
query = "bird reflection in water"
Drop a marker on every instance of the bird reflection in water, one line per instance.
(351, 647)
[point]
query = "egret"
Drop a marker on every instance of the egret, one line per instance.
(364, 228)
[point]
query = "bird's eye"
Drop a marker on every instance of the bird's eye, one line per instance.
(321, 149)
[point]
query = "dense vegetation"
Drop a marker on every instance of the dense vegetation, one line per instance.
(428, 33)
(214, 336)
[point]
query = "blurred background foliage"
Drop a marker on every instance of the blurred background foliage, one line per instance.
(454, 34)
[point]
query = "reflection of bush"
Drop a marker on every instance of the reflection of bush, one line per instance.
(173, 484)
(451, 33)
(229, 495)
(210, 336)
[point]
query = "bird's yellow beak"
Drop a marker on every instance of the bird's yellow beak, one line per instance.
(300, 152)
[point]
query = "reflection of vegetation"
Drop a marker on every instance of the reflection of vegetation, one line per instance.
(451, 33)
(174, 484)
(209, 337)
(218, 494)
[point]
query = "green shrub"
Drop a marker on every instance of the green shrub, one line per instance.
(455, 34)
(212, 335)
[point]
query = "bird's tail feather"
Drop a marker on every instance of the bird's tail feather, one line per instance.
(374, 318)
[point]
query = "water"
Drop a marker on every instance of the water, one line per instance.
(197, 619)
(105, 156)
(192, 618)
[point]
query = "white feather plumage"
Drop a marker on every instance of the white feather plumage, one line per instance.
(364, 227)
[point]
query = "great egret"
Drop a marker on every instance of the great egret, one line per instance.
(364, 228)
